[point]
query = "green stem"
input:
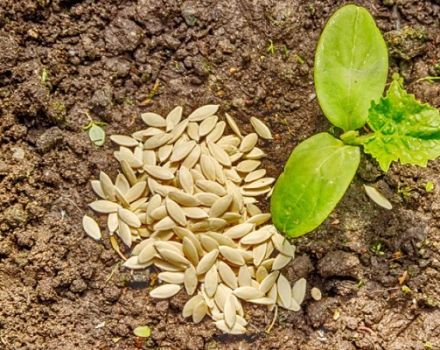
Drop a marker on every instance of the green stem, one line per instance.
(352, 138)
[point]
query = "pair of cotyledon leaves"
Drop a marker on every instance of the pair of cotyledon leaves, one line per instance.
(351, 66)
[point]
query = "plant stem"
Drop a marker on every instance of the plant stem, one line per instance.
(352, 138)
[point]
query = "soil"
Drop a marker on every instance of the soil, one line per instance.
(62, 60)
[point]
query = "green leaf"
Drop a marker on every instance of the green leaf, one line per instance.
(315, 178)
(142, 331)
(405, 129)
(97, 135)
(351, 65)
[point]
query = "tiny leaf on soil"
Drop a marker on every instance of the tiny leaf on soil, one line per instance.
(97, 135)
(429, 186)
(351, 66)
(405, 129)
(142, 331)
(315, 178)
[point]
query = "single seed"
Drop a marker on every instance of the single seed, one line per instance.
(316, 294)
(202, 113)
(153, 119)
(261, 129)
(91, 227)
(248, 142)
(207, 125)
(123, 140)
(165, 291)
(232, 124)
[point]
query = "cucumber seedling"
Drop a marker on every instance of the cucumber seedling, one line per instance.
(351, 68)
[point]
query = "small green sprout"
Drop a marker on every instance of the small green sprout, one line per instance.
(271, 48)
(95, 131)
(406, 289)
(429, 187)
(377, 248)
(298, 59)
(44, 76)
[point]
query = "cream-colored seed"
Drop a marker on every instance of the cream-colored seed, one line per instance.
(186, 199)
(261, 129)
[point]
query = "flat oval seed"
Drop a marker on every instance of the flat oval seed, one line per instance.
(129, 217)
(236, 330)
(207, 261)
(263, 182)
(208, 167)
(211, 186)
(156, 141)
(233, 125)
(208, 243)
(148, 253)
(195, 213)
(153, 119)
(165, 291)
(219, 154)
(107, 186)
(186, 180)
(316, 294)
(259, 253)
(193, 131)
(175, 212)
(171, 277)
(232, 255)
(257, 237)
(248, 142)
(202, 113)
(199, 312)
(181, 151)
(239, 231)
(299, 290)
(190, 280)
(207, 125)
(261, 129)
(230, 312)
(192, 158)
(255, 175)
(227, 275)
(244, 277)
(255, 154)
(104, 206)
(259, 219)
(190, 304)
(123, 140)
(248, 293)
(91, 227)
(211, 281)
(112, 222)
(377, 197)
(173, 257)
(281, 261)
(190, 251)
(165, 224)
(220, 206)
(282, 245)
(218, 131)
(159, 172)
(173, 118)
(247, 166)
(268, 281)
(206, 198)
(284, 291)
(184, 199)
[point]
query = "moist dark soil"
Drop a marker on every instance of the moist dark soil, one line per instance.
(63, 61)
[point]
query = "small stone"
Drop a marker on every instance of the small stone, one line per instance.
(339, 263)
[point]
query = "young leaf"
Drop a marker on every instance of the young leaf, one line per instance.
(97, 135)
(315, 178)
(351, 65)
(404, 129)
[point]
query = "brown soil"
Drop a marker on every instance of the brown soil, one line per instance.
(62, 58)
